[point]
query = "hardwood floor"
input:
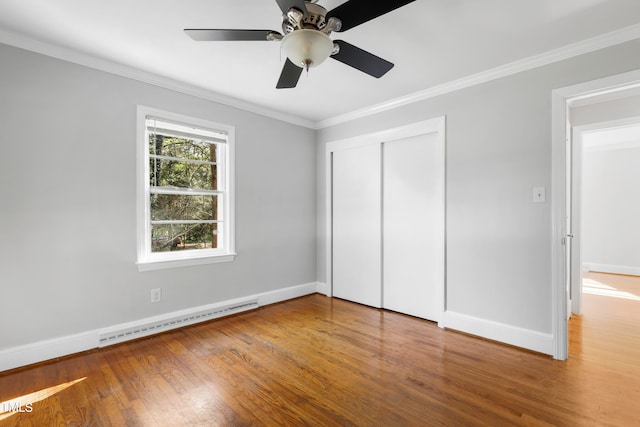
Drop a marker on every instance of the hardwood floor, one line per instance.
(322, 361)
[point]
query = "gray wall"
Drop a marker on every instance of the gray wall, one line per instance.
(611, 208)
(68, 202)
(498, 259)
(605, 111)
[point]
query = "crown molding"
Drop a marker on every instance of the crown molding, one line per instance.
(74, 56)
(585, 46)
(589, 45)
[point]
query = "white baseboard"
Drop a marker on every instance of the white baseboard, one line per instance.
(28, 354)
(41, 351)
(508, 334)
(284, 294)
(323, 288)
(611, 268)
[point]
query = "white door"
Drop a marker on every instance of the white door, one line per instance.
(413, 221)
(357, 240)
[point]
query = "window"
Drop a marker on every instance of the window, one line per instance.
(185, 190)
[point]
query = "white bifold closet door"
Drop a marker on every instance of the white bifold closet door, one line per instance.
(357, 229)
(412, 242)
(388, 225)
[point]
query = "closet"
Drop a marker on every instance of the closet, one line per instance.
(386, 218)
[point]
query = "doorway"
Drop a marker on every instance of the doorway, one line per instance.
(563, 264)
(605, 205)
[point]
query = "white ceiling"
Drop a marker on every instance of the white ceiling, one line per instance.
(431, 42)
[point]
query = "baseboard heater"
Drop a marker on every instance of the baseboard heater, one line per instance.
(166, 324)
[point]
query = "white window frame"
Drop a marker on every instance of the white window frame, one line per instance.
(148, 260)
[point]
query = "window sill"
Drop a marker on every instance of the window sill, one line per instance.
(150, 265)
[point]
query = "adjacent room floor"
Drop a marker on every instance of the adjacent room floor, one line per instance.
(321, 361)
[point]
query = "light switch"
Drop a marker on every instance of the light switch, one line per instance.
(539, 195)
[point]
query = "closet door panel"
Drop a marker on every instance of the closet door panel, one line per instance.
(412, 226)
(357, 210)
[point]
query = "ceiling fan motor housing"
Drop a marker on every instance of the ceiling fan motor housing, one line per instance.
(314, 20)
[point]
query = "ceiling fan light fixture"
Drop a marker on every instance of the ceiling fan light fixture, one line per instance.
(306, 27)
(307, 48)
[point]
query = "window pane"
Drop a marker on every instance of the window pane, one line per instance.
(168, 173)
(167, 207)
(162, 145)
(179, 237)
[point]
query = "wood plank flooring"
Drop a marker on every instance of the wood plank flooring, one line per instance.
(328, 362)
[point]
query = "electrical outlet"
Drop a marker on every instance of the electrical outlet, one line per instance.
(156, 295)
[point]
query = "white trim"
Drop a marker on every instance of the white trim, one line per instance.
(585, 46)
(520, 337)
(41, 351)
(574, 188)
(442, 199)
(559, 297)
(400, 132)
(435, 125)
(611, 268)
(600, 86)
(187, 262)
(561, 99)
(284, 294)
(322, 288)
(183, 191)
(28, 354)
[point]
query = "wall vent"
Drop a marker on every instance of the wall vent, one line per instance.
(154, 327)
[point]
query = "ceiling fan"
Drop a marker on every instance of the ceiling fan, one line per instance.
(306, 42)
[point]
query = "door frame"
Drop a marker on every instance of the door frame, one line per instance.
(436, 125)
(560, 138)
(577, 192)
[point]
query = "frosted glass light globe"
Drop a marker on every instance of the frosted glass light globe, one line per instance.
(307, 48)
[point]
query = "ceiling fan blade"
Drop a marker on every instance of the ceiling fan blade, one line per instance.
(217, 35)
(356, 12)
(289, 76)
(285, 5)
(361, 59)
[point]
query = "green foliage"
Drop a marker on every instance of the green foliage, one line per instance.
(171, 237)
(183, 170)
(180, 173)
(175, 207)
